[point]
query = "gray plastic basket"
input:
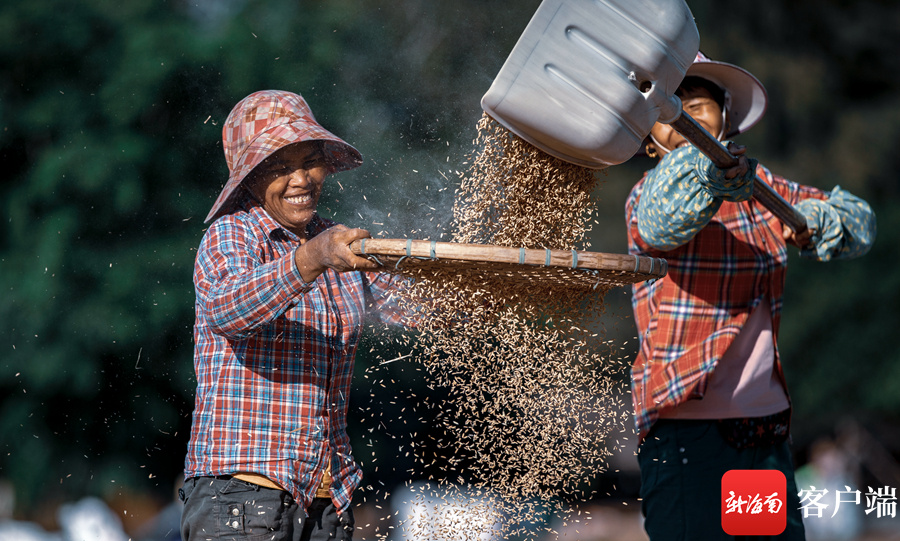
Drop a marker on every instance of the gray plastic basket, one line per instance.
(588, 78)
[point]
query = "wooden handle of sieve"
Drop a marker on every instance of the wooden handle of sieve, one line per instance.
(762, 192)
(489, 253)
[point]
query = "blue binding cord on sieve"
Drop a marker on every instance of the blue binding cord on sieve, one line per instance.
(362, 251)
(431, 251)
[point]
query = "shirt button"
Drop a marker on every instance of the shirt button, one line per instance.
(684, 461)
(235, 512)
(235, 525)
(681, 450)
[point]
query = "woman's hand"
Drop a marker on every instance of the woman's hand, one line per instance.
(742, 166)
(330, 249)
(802, 241)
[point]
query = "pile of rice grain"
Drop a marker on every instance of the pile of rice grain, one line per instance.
(534, 393)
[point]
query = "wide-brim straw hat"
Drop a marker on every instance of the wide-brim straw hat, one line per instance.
(746, 99)
(263, 123)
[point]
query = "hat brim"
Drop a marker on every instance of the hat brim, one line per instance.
(749, 99)
(341, 155)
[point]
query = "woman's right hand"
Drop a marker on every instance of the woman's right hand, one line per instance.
(743, 164)
(330, 249)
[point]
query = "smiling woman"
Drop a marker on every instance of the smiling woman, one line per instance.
(288, 185)
(279, 312)
(705, 102)
(708, 386)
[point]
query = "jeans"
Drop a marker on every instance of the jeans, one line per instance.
(220, 508)
(682, 463)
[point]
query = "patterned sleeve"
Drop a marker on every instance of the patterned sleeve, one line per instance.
(682, 194)
(843, 226)
(236, 292)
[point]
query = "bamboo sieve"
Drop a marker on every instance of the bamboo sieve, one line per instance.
(578, 269)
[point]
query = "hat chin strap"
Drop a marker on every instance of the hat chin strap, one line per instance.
(719, 137)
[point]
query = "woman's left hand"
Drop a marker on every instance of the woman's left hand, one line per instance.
(802, 241)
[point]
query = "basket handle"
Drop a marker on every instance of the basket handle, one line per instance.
(762, 192)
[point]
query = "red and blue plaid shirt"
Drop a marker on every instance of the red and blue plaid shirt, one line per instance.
(274, 357)
(724, 258)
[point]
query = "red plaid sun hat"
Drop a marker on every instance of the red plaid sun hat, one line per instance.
(267, 121)
(745, 97)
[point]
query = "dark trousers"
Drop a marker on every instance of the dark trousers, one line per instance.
(682, 464)
(220, 508)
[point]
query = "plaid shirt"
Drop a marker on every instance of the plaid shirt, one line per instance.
(724, 256)
(274, 357)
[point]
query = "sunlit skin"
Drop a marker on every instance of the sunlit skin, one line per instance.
(699, 103)
(288, 186)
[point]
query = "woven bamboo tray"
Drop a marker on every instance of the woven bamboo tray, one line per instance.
(578, 268)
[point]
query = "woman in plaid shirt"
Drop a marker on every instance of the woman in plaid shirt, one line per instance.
(280, 300)
(707, 385)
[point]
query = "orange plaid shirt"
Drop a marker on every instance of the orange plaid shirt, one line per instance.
(716, 277)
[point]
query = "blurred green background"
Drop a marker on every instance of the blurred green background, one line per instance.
(110, 144)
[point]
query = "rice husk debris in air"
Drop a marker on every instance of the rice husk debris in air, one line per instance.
(531, 393)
